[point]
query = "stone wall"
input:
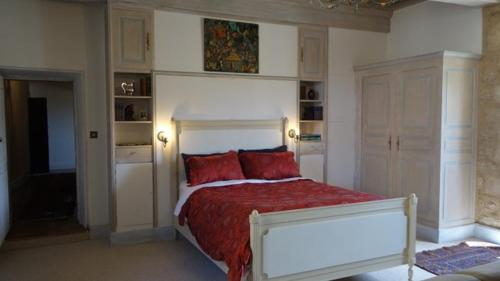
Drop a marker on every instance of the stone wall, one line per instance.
(488, 168)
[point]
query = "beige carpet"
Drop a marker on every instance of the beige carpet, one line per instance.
(95, 260)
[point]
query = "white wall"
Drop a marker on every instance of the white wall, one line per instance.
(60, 121)
(347, 48)
(44, 34)
(278, 45)
(430, 27)
(97, 116)
(221, 97)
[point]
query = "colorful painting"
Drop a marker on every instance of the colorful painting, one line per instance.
(231, 46)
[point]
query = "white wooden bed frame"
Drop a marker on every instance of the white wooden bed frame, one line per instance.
(324, 243)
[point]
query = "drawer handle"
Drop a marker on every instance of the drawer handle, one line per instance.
(132, 153)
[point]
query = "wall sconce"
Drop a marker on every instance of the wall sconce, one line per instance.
(293, 135)
(162, 138)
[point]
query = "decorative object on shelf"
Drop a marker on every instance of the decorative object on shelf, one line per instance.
(162, 138)
(143, 116)
(128, 88)
(129, 112)
(231, 46)
(312, 95)
(293, 135)
(332, 4)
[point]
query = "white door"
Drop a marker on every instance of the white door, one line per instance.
(376, 135)
(416, 115)
(4, 186)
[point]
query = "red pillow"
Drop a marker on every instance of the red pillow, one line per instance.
(269, 166)
(214, 168)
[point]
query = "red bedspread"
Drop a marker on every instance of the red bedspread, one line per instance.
(218, 216)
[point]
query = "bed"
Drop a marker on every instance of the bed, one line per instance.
(329, 240)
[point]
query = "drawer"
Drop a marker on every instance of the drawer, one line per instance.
(312, 148)
(134, 154)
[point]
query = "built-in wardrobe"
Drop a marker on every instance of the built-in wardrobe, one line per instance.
(417, 134)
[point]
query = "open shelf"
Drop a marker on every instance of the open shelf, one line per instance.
(311, 141)
(133, 145)
(312, 101)
(133, 122)
(132, 97)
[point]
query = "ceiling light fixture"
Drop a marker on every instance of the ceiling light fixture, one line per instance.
(332, 4)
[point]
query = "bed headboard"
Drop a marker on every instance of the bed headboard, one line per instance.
(210, 136)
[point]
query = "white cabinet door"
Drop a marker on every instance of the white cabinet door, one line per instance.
(132, 40)
(4, 186)
(313, 54)
(376, 135)
(311, 166)
(415, 119)
(134, 196)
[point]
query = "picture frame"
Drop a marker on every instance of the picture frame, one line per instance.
(230, 46)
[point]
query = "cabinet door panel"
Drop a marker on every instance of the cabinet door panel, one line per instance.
(132, 40)
(376, 126)
(134, 196)
(415, 118)
(311, 166)
(313, 54)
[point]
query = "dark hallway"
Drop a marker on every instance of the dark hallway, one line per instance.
(43, 206)
(40, 145)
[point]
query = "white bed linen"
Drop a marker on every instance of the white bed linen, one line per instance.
(185, 191)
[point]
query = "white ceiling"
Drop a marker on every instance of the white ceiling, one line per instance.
(472, 3)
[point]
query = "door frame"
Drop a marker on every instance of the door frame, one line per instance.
(80, 123)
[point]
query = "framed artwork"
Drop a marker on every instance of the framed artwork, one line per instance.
(230, 46)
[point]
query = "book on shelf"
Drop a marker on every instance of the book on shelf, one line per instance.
(310, 137)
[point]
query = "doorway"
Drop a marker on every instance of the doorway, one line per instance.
(41, 156)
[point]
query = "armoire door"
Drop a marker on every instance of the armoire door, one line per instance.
(376, 135)
(415, 119)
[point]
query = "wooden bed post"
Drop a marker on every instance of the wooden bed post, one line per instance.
(255, 246)
(412, 233)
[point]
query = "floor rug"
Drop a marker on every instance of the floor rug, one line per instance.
(456, 258)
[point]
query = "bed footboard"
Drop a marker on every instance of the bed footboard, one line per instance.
(329, 243)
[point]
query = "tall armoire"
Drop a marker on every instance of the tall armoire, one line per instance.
(417, 134)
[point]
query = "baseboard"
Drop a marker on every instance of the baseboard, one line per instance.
(19, 182)
(427, 233)
(452, 234)
(99, 231)
(142, 236)
(487, 233)
(456, 233)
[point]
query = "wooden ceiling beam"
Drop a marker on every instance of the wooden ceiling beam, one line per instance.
(406, 3)
(279, 11)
